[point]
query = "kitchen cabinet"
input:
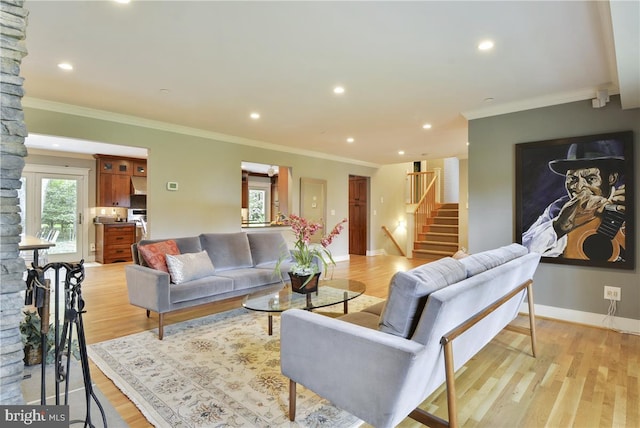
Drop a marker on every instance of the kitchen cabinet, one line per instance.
(113, 242)
(140, 168)
(109, 165)
(114, 190)
(114, 179)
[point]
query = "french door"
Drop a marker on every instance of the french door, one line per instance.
(53, 203)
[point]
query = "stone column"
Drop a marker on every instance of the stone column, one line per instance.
(13, 25)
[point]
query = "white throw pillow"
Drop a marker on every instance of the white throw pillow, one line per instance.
(189, 266)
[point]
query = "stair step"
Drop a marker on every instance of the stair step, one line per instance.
(445, 213)
(430, 255)
(441, 228)
(438, 237)
(450, 205)
(445, 220)
(449, 247)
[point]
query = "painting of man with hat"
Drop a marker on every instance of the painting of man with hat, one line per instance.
(574, 199)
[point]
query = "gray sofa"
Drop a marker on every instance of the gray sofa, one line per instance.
(382, 363)
(242, 262)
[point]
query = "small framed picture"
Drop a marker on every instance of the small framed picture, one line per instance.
(574, 200)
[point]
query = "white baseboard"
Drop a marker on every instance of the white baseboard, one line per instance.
(379, 252)
(588, 318)
(344, 258)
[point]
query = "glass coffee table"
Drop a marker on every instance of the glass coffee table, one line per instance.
(280, 298)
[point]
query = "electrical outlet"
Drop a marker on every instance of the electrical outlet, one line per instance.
(92, 247)
(611, 293)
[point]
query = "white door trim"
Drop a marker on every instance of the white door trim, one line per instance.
(83, 194)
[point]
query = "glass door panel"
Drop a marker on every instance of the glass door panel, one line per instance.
(51, 206)
(59, 214)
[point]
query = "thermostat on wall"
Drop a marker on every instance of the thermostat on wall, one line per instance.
(172, 185)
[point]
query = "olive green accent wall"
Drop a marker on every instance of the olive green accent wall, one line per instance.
(492, 204)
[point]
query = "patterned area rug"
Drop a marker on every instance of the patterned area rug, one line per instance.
(222, 370)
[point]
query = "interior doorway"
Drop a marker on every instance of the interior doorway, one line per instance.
(358, 208)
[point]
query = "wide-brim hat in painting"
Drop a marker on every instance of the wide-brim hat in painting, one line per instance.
(593, 154)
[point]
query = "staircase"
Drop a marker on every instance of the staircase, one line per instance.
(438, 238)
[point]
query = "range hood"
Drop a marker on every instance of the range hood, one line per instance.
(139, 185)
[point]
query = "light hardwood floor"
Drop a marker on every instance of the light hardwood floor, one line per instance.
(583, 376)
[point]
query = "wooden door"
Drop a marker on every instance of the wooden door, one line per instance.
(358, 190)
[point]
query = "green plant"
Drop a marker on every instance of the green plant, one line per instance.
(31, 332)
(304, 252)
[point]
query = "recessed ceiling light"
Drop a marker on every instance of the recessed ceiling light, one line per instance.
(350, 140)
(485, 45)
(426, 126)
(164, 91)
(338, 90)
(401, 152)
(123, 1)
(488, 99)
(255, 116)
(65, 66)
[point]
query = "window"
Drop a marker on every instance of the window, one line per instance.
(257, 205)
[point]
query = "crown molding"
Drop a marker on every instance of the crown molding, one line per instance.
(54, 106)
(538, 102)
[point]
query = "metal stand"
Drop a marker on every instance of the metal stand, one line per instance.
(74, 308)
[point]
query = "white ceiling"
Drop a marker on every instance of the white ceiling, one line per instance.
(402, 64)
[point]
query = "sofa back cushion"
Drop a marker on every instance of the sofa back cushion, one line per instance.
(408, 293)
(480, 262)
(227, 250)
(267, 247)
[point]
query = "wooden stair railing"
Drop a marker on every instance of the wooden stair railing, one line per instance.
(426, 206)
(418, 184)
(390, 235)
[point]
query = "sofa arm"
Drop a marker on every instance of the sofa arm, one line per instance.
(371, 374)
(148, 288)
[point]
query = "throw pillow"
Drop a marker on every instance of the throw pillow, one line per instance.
(154, 254)
(461, 254)
(189, 266)
(408, 293)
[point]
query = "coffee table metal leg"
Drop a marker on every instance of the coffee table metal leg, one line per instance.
(346, 302)
(270, 324)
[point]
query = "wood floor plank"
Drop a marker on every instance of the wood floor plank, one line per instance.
(582, 377)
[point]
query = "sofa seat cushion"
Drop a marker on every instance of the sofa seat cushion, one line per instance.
(267, 248)
(480, 262)
(200, 288)
(285, 265)
(189, 266)
(363, 319)
(154, 254)
(227, 250)
(375, 309)
(249, 277)
(408, 293)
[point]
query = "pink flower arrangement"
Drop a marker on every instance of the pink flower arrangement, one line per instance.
(304, 251)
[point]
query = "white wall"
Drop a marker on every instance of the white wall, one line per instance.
(451, 181)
